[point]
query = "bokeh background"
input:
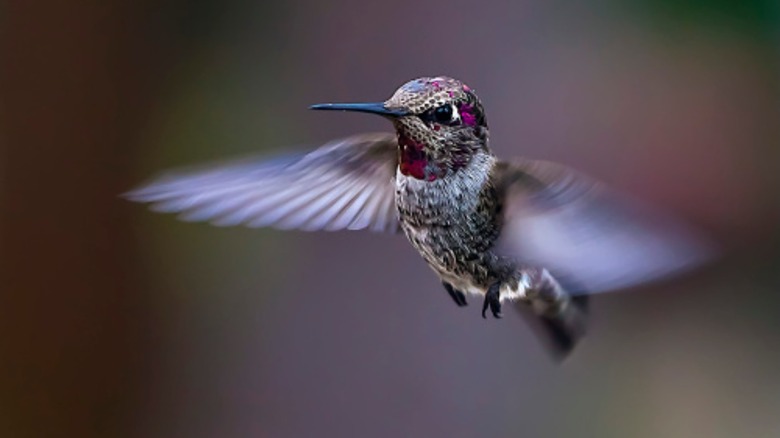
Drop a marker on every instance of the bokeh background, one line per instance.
(116, 322)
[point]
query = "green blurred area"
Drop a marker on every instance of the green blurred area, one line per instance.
(756, 18)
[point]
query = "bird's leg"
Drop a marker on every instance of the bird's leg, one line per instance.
(456, 295)
(493, 300)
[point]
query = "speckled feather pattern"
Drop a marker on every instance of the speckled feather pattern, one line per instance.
(429, 150)
(454, 222)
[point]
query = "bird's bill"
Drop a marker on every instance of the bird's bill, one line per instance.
(373, 108)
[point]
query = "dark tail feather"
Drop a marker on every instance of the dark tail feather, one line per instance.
(560, 332)
(563, 331)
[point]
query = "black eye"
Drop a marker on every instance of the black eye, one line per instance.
(443, 114)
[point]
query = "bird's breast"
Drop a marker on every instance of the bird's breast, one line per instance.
(446, 199)
(450, 221)
(438, 202)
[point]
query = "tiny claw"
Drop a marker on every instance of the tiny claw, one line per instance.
(492, 300)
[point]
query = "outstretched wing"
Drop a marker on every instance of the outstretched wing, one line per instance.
(575, 226)
(345, 184)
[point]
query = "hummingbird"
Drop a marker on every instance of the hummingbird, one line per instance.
(533, 232)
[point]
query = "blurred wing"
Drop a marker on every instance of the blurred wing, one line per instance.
(574, 226)
(345, 184)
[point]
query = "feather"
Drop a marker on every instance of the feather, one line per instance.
(345, 184)
(559, 219)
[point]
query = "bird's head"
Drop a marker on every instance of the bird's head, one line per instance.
(440, 124)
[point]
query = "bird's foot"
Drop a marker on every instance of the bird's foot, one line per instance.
(492, 300)
(456, 295)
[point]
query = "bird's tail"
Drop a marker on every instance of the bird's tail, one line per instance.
(558, 317)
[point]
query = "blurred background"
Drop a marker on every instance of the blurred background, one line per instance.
(117, 322)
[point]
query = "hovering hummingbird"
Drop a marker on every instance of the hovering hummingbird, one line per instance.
(533, 232)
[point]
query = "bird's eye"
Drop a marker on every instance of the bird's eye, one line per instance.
(445, 113)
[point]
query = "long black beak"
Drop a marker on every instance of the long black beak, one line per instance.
(373, 108)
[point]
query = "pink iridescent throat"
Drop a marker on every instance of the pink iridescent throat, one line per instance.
(413, 161)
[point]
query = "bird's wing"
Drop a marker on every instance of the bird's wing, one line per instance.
(345, 184)
(600, 239)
